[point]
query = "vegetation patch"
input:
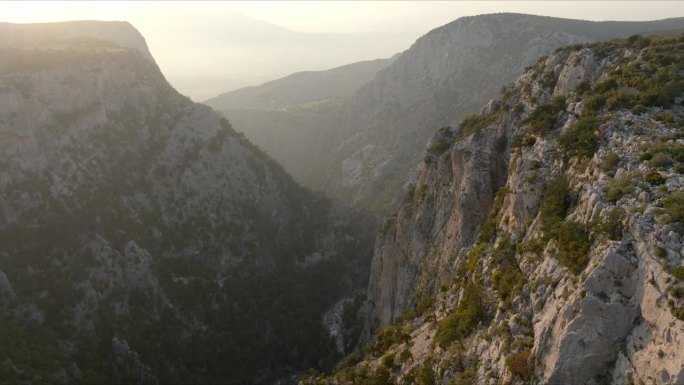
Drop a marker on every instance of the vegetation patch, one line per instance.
(580, 139)
(654, 178)
(671, 152)
(610, 163)
(472, 124)
(423, 307)
(520, 364)
(573, 245)
(612, 225)
(439, 146)
(554, 205)
(678, 272)
(488, 229)
(660, 161)
(387, 337)
(593, 104)
(507, 279)
(619, 187)
(674, 206)
(544, 117)
(460, 323)
(523, 140)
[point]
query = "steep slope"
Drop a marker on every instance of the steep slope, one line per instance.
(284, 116)
(364, 150)
(542, 240)
(143, 239)
(297, 90)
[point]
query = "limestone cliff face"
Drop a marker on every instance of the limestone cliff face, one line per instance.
(143, 239)
(542, 239)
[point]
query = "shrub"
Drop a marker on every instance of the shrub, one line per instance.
(638, 41)
(580, 139)
(519, 364)
(380, 376)
(523, 140)
(660, 161)
(610, 163)
(463, 320)
(618, 100)
(582, 87)
(532, 246)
(594, 103)
(475, 123)
(425, 375)
(676, 151)
(660, 95)
(388, 360)
(507, 280)
(678, 272)
(472, 259)
(439, 146)
(405, 355)
(348, 361)
(466, 377)
(674, 206)
(423, 306)
(654, 178)
(605, 86)
(639, 109)
(646, 156)
(678, 292)
(573, 245)
(612, 225)
(558, 104)
(554, 204)
(543, 118)
(387, 337)
(666, 117)
(488, 229)
(678, 312)
(619, 187)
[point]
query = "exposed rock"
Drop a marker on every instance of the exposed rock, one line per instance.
(571, 260)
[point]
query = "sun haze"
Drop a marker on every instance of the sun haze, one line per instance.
(205, 48)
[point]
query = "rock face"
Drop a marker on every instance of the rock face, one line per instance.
(363, 150)
(541, 242)
(143, 239)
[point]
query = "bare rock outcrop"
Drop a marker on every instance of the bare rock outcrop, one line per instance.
(560, 260)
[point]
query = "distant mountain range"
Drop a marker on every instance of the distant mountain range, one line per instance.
(365, 148)
(235, 50)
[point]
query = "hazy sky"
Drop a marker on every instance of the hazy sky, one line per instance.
(205, 48)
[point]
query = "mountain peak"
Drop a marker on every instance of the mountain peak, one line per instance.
(69, 33)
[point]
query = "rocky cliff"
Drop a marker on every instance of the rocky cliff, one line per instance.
(542, 239)
(143, 239)
(364, 150)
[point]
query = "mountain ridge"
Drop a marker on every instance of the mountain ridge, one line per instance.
(541, 239)
(145, 240)
(364, 149)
